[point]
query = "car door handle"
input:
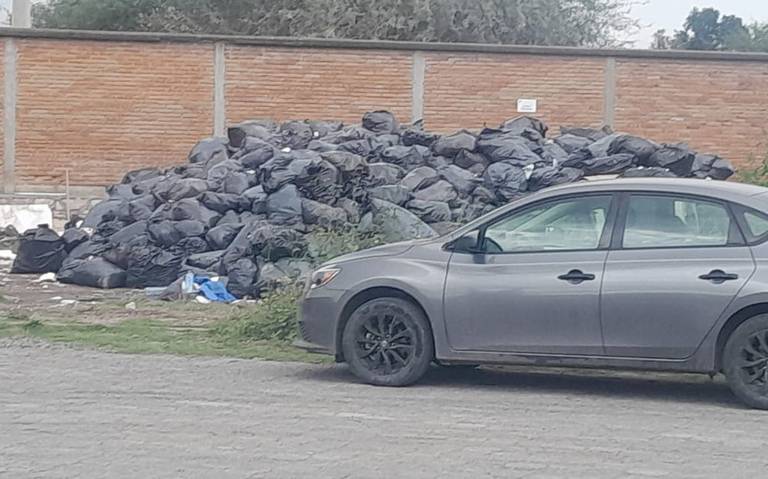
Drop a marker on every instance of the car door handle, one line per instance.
(576, 276)
(719, 276)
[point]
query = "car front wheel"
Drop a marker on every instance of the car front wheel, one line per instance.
(388, 342)
(745, 361)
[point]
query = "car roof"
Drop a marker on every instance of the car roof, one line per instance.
(729, 190)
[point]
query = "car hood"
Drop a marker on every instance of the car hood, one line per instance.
(393, 249)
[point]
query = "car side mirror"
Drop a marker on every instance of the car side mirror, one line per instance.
(467, 244)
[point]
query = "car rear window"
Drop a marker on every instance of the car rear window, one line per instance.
(756, 225)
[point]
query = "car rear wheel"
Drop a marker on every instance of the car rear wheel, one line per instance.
(745, 361)
(388, 342)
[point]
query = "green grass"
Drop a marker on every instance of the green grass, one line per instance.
(142, 336)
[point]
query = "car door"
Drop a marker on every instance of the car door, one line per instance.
(678, 262)
(536, 287)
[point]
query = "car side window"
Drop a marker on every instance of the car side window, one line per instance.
(756, 225)
(670, 222)
(570, 224)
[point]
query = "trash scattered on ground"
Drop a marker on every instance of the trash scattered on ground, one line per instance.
(239, 215)
(131, 306)
(46, 278)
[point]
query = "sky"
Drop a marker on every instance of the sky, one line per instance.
(671, 14)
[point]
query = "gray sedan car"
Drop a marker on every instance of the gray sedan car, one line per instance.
(653, 274)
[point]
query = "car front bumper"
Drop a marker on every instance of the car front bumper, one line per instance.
(319, 315)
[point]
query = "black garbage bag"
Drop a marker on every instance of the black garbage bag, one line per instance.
(321, 214)
(553, 154)
(268, 240)
(571, 143)
(41, 250)
(288, 167)
(608, 165)
(257, 199)
(440, 191)
(420, 178)
(210, 261)
(75, 221)
(321, 146)
(407, 157)
(641, 148)
(243, 276)
(103, 211)
(189, 209)
(190, 228)
(128, 233)
(430, 211)
(121, 192)
(461, 179)
(381, 142)
(240, 133)
(648, 172)
(593, 134)
(415, 136)
(230, 217)
(164, 233)
(350, 133)
(483, 195)
(138, 209)
(512, 150)
(147, 186)
(600, 147)
(220, 237)
(284, 206)
(88, 249)
(143, 174)
(192, 245)
(318, 179)
(223, 202)
(394, 223)
(197, 171)
(296, 134)
(712, 166)
(237, 183)
(676, 158)
(527, 127)
(358, 147)
(93, 272)
(552, 176)
(108, 228)
(384, 174)
(352, 170)
(151, 267)
(397, 194)
(450, 146)
(467, 159)
(219, 173)
(258, 154)
(466, 212)
(73, 238)
(506, 180)
(322, 128)
(351, 207)
(179, 189)
(121, 254)
(209, 151)
(380, 122)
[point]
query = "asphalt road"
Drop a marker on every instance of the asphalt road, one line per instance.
(81, 414)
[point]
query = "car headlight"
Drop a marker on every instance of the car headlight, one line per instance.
(323, 276)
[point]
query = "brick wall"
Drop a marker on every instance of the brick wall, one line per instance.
(100, 104)
(468, 90)
(287, 84)
(101, 109)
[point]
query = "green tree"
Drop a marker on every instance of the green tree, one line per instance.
(706, 29)
(532, 22)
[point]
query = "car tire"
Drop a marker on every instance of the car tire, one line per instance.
(388, 342)
(745, 361)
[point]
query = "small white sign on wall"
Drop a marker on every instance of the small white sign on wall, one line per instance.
(526, 105)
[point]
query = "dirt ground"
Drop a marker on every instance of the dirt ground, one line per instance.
(25, 296)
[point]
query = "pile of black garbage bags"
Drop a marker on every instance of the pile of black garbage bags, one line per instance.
(244, 207)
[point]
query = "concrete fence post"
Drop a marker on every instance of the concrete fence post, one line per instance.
(417, 83)
(219, 87)
(9, 116)
(609, 93)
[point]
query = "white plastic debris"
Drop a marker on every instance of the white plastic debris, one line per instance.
(202, 300)
(46, 278)
(131, 306)
(7, 255)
